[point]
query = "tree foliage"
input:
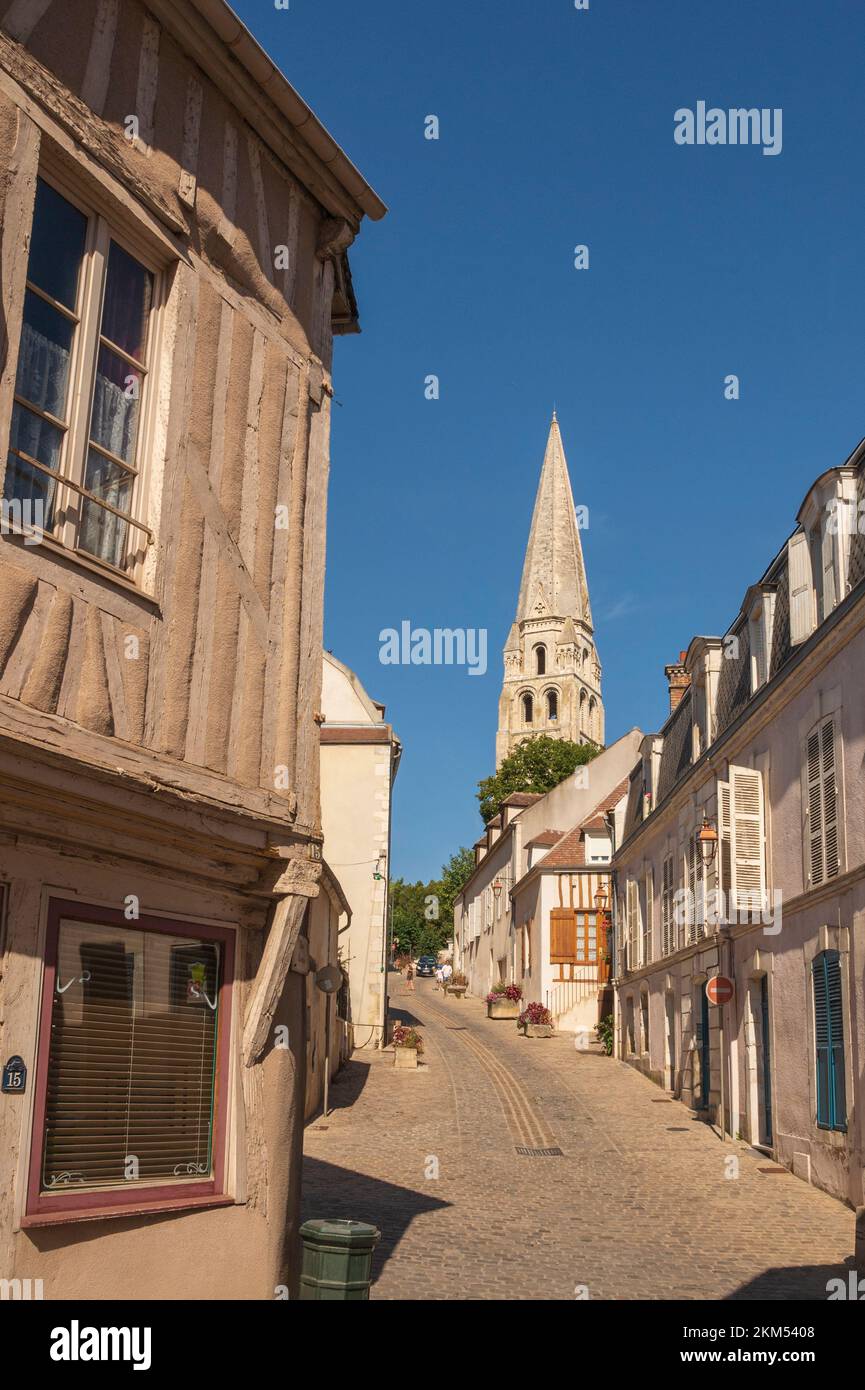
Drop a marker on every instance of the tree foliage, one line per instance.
(537, 764)
(422, 914)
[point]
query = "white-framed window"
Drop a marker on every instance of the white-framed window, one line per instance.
(79, 428)
(821, 802)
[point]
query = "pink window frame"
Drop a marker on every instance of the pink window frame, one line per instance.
(42, 1206)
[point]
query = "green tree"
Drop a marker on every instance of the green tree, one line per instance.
(536, 765)
(422, 914)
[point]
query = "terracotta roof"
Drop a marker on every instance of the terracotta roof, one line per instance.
(522, 798)
(570, 851)
(546, 837)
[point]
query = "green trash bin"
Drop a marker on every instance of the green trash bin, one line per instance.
(337, 1259)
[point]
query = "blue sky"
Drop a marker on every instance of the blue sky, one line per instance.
(556, 129)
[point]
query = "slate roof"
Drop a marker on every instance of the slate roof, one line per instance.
(676, 753)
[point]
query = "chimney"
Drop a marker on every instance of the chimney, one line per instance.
(678, 679)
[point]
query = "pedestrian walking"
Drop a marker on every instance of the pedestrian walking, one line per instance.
(409, 977)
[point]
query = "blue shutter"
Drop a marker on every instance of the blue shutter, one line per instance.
(829, 1041)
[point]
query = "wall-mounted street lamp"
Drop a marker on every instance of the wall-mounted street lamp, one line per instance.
(601, 900)
(707, 841)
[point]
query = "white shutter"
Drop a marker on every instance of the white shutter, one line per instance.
(831, 849)
(693, 884)
(813, 809)
(667, 905)
(748, 864)
(758, 651)
(724, 834)
(829, 586)
(649, 920)
(801, 588)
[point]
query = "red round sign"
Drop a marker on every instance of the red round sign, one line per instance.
(719, 990)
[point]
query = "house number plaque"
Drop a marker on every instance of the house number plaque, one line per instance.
(15, 1076)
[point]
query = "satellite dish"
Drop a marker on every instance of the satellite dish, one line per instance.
(328, 979)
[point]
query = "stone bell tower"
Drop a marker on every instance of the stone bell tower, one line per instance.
(552, 681)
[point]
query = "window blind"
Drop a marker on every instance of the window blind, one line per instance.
(132, 1058)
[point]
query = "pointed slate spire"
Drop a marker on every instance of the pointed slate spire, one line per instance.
(554, 575)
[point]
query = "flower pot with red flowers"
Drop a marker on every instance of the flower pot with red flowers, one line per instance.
(535, 1021)
(503, 1001)
(407, 1047)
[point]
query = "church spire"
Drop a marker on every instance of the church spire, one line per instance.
(552, 681)
(554, 575)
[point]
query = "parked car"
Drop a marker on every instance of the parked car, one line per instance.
(427, 965)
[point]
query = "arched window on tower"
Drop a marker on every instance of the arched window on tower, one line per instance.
(584, 699)
(528, 709)
(585, 656)
(540, 660)
(592, 718)
(552, 706)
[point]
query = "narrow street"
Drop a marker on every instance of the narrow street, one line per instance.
(636, 1206)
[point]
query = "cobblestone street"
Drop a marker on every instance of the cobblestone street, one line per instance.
(636, 1206)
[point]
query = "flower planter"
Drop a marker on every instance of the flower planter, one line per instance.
(504, 1008)
(458, 990)
(405, 1058)
(538, 1030)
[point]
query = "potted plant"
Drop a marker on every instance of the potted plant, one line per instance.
(535, 1021)
(407, 1046)
(605, 1031)
(457, 984)
(503, 1001)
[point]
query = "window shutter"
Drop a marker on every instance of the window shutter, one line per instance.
(831, 862)
(748, 887)
(563, 936)
(829, 1041)
(648, 921)
(693, 884)
(666, 905)
(829, 586)
(801, 588)
(814, 808)
(725, 873)
(821, 1040)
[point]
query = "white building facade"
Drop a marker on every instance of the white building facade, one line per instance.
(763, 752)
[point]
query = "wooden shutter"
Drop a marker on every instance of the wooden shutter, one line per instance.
(801, 588)
(693, 876)
(563, 936)
(829, 1041)
(820, 787)
(132, 1058)
(831, 857)
(668, 918)
(814, 808)
(649, 919)
(828, 558)
(747, 837)
(725, 872)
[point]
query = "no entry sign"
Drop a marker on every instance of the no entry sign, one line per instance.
(719, 990)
